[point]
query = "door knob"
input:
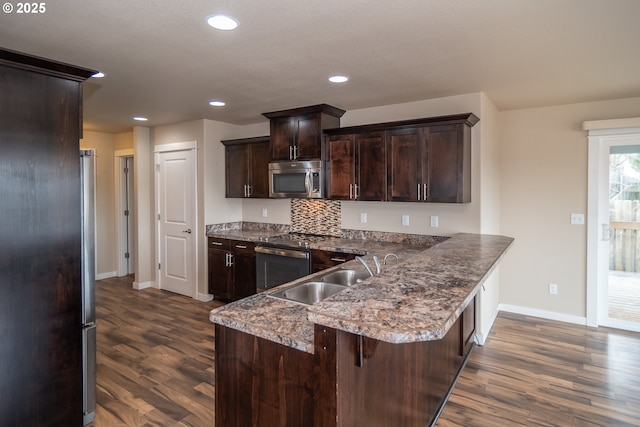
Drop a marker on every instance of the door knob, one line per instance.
(188, 230)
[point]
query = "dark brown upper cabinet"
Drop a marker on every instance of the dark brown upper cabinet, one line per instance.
(296, 134)
(247, 167)
(356, 166)
(423, 160)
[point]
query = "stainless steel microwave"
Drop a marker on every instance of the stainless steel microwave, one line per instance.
(298, 179)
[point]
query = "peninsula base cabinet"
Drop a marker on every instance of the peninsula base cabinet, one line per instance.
(349, 381)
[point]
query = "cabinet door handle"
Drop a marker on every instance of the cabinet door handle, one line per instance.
(418, 192)
(241, 246)
(291, 152)
(338, 260)
(424, 192)
(248, 190)
(295, 152)
(350, 191)
(230, 260)
(355, 191)
(216, 243)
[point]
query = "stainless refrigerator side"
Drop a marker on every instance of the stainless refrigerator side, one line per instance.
(87, 170)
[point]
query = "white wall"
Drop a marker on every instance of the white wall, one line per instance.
(145, 260)
(489, 190)
(212, 206)
(544, 179)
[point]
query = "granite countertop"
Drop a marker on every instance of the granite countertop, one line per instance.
(417, 300)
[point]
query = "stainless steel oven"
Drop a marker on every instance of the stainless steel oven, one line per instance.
(303, 179)
(278, 265)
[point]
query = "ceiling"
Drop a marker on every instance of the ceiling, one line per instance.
(162, 61)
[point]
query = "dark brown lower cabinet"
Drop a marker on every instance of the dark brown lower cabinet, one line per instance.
(349, 381)
(321, 260)
(261, 383)
(231, 268)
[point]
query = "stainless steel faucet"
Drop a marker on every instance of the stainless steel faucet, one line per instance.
(388, 255)
(377, 262)
(363, 262)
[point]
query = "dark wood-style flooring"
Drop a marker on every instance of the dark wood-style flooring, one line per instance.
(156, 368)
(155, 363)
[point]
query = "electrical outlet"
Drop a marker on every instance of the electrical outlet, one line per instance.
(577, 219)
(264, 212)
(405, 219)
(434, 221)
(363, 217)
(553, 288)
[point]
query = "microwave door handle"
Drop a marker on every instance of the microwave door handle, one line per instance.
(308, 183)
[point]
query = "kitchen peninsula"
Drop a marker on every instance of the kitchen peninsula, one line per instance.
(382, 352)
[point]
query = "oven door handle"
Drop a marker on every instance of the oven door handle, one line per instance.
(282, 252)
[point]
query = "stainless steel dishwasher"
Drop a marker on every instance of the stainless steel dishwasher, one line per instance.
(283, 258)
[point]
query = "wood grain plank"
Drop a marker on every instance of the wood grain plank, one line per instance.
(156, 368)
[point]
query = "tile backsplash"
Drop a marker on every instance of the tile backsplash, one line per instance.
(321, 217)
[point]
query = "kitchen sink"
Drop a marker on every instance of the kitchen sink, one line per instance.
(346, 277)
(308, 292)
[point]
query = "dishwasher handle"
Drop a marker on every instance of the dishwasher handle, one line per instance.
(282, 252)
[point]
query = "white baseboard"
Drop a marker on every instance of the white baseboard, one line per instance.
(107, 275)
(204, 297)
(143, 285)
(481, 336)
(550, 315)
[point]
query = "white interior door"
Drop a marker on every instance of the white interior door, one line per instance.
(128, 220)
(176, 210)
(124, 211)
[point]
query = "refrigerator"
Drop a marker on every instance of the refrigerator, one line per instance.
(88, 272)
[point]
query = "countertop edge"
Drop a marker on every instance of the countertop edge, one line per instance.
(393, 334)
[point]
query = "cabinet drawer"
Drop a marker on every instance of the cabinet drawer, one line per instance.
(241, 247)
(321, 260)
(218, 243)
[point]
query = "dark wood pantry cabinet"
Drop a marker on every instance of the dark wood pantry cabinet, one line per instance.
(232, 268)
(40, 242)
(247, 167)
(296, 134)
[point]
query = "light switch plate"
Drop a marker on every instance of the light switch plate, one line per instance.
(577, 218)
(264, 212)
(434, 221)
(405, 219)
(363, 217)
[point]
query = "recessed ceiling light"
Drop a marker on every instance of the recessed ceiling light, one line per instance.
(140, 119)
(222, 22)
(98, 75)
(338, 78)
(217, 103)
